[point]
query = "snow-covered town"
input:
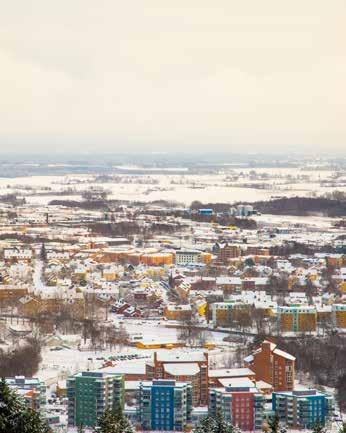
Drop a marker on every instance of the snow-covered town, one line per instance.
(172, 216)
(228, 310)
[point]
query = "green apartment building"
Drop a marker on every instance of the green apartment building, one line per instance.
(90, 394)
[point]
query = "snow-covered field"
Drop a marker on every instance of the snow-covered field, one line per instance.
(317, 222)
(211, 188)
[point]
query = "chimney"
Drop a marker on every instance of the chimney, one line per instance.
(266, 348)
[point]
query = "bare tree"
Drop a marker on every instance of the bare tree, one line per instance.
(21, 360)
(192, 334)
(258, 315)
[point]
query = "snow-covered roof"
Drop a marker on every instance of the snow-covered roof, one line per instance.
(231, 372)
(181, 357)
(127, 368)
(237, 382)
(182, 369)
(284, 354)
(261, 384)
(249, 358)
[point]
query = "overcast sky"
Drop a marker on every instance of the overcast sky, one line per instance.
(111, 75)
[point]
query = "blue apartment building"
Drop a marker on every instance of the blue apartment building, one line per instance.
(164, 405)
(302, 408)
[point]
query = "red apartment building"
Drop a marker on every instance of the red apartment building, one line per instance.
(273, 366)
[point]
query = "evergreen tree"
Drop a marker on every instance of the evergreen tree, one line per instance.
(273, 424)
(205, 425)
(114, 421)
(319, 428)
(15, 417)
(80, 428)
(249, 262)
(43, 253)
(343, 428)
(221, 426)
(215, 424)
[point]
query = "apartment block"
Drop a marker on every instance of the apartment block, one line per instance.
(257, 250)
(273, 366)
(31, 389)
(178, 312)
(226, 252)
(240, 403)
(184, 257)
(339, 315)
(164, 405)
(297, 318)
(90, 394)
(18, 254)
(302, 408)
(225, 314)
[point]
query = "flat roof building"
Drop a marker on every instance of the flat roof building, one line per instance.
(165, 405)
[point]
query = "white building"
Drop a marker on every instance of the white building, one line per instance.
(18, 253)
(185, 257)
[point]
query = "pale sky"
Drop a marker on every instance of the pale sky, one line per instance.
(110, 75)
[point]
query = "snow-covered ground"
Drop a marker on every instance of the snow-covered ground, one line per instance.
(311, 221)
(177, 187)
(38, 284)
(60, 363)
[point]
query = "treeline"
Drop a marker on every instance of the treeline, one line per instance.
(22, 360)
(226, 220)
(130, 228)
(169, 204)
(83, 204)
(217, 207)
(302, 206)
(123, 228)
(26, 239)
(104, 204)
(12, 199)
(336, 195)
(290, 248)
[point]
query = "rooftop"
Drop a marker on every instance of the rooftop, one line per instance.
(231, 372)
(182, 369)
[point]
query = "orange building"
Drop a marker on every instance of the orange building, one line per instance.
(273, 366)
(119, 254)
(342, 287)
(12, 292)
(335, 260)
(339, 315)
(206, 258)
(178, 312)
(157, 259)
(324, 314)
(130, 255)
(298, 318)
(225, 314)
(31, 306)
(226, 252)
(255, 250)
